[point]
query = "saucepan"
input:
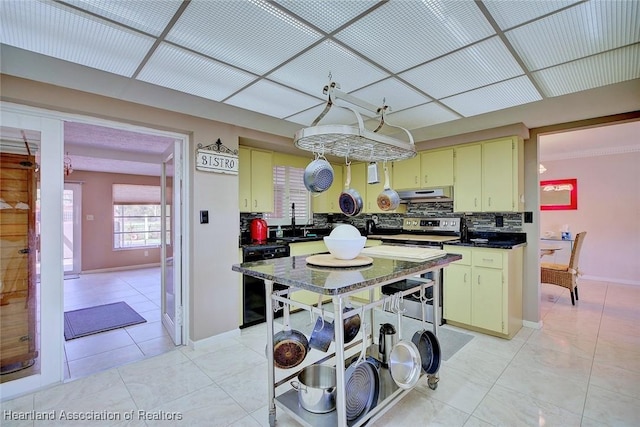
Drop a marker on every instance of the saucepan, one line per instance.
(316, 388)
(323, 331)
(389, 199)
(350, 200)
(427, 343)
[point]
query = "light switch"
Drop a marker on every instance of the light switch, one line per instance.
(89, 217)
(204, 217)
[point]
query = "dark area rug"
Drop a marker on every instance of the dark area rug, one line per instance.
(101, 318)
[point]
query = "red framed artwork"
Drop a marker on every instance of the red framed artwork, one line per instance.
(559, 194)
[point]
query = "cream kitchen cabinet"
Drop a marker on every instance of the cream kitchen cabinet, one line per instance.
(255, 175)
(489, 176)
(406, 174)
(484, 290)
(327, 201)
(436, 168)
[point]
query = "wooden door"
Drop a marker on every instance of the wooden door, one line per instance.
(17, 261)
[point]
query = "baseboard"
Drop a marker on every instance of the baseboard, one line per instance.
(123, 268)
(610, 280)
(234, 333)
(532, 325)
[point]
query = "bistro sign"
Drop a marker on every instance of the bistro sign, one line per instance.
(217, 158)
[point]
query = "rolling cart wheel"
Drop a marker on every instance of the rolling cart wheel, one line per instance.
(432, 381)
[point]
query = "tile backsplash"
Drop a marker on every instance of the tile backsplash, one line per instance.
(477, 221)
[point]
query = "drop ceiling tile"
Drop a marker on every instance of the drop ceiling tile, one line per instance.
(498, 96)
(135, 14)
(422, 115)
(327, 15)
(310, 71)
(272, 99)
(508, 14)
(483, 63)
(582, 30)
(185, 71)
(86, 40)
(599, 70)
(397, 95)
(402, 34)
(253, 35)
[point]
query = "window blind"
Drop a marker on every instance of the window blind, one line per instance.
(132, 194)
(288, 188)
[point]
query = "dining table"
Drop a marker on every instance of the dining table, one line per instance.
(549, 250)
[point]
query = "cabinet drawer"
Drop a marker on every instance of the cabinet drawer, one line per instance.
(465, 252)
(487, 259)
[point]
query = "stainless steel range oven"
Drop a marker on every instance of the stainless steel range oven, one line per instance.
(425, 232)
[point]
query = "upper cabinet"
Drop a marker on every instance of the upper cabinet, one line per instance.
(255, 175)
(436, 168)
(406, 174)
(489, 176)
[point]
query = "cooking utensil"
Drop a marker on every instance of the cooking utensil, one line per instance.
(318, 175)
(351, 326)
(350, 200)
(290, 347)
(316, 388)
(362, 384)
(405, 365)
(387, 339)
(427, 343)
(389, 199)
(323, 331)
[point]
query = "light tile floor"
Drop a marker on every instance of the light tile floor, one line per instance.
(581, 368)
(94, 353)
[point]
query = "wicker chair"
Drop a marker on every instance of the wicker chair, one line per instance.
(565, 275)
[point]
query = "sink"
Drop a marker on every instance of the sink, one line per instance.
(300, 239)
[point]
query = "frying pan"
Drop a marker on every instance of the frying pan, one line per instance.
(389, 199)
(290, 347)
(350, 200)
(405, 364)
(427, 343)
(318, 175)
(362, 384)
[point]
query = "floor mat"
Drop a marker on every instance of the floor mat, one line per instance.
(101, 318)
(451, 342)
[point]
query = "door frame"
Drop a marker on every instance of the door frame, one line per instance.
(51, 123)
(76, 189)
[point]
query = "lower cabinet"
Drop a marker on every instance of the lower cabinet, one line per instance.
(483, 290)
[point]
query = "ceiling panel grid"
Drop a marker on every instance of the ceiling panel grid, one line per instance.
(403, 34)
(327, 15)
(253, 35)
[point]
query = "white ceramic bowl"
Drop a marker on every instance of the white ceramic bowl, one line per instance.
(345, 231)
(345, 248)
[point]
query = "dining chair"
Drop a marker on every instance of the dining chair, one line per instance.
(562, 274)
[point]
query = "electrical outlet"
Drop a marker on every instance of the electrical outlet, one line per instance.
(146, 253)
(204, 217)
(499, 221)
(528, 217)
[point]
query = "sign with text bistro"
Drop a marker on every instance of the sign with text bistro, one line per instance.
(211, 161)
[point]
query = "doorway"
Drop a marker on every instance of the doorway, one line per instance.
(72, 229)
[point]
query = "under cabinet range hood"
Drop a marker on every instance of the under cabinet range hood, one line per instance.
(444, 194)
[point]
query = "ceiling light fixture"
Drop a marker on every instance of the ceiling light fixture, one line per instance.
(353, 142)
(68, 168)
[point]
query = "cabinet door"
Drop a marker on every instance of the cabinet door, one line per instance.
(468, 179)
(406, 174)
(261, 181)
(486, 296)
(457, 293)
(436, 168)
(244, 179)
(498, 176)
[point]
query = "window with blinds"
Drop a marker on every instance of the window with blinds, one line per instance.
(288, 189)
(137, 216)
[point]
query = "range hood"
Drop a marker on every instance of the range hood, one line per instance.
(443, 194)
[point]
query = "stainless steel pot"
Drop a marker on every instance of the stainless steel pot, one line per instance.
(316, 388)
(318, 175)
(350, 200)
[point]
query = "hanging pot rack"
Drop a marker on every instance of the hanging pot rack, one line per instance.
(354, 142)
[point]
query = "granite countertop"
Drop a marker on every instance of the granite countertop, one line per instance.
(294, 271)
(490, 245)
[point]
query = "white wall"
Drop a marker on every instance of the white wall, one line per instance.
(608, 210)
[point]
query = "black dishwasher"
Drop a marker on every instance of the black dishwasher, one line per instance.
(253, 292)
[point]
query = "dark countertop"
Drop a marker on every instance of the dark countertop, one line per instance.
(491, 245)
(294, 271)
(494, 240)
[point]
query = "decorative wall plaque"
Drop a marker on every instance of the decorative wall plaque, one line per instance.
(217, 158)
